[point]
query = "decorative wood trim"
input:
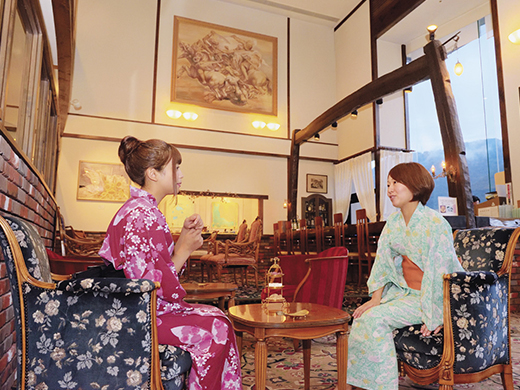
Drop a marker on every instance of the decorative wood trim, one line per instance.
(501, 91)
(349, 15)
(384, 14)
(155, 60)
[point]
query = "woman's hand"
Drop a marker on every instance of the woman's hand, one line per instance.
(193, 222)
(426, 333)
(374, 301)
(364, 307)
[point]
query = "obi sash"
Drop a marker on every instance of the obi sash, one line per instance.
(412, 274)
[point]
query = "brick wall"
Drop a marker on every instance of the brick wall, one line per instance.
(515, 282)
(23, 194)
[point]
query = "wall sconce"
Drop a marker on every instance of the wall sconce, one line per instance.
(379, 101)
(175, 114)
(258, 124)
(285, 204)
(273, 126)
(514, 37)
(76, 104)
(408, 90)
(334, 125)
(354, 114)
(317, 136)
(190, 116)
(446, 172)
(431, 30)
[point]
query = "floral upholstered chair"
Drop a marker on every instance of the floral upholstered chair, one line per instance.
(83, 333)
(475, 342)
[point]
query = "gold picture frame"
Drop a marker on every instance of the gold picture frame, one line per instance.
(224, 68)
(102, 182)
(317, 183)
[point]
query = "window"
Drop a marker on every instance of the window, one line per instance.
(476, 97)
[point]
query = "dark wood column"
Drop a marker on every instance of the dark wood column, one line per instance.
(292, 174)
(454, 149)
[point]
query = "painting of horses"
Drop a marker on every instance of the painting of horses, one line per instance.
(224, 68)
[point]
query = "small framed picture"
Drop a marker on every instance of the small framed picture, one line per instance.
(317, 183)
(447, 205)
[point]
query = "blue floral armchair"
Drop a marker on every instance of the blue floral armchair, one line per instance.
(93, 333)
(475, 341)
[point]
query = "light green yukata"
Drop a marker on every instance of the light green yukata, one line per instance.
(428, 242)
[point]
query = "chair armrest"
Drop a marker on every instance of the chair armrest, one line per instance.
(473, 278)
(106, 285)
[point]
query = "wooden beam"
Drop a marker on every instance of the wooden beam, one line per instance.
(401, 78)
(292, 175)
(452, 139)
(64, 20)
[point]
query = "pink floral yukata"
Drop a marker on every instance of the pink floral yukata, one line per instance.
(139, 241)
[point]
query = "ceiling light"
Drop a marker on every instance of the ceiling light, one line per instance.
(408, 90)
(431, 30)
(174, 114)
(258, 124)
(273, 126)
(458, 68)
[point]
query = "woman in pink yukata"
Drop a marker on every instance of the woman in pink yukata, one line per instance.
(139, 241)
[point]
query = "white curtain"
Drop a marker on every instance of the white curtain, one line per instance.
(342, 187)
(389, 159)
(363, 178)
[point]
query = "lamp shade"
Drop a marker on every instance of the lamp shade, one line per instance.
(458, 68)
(515, 37)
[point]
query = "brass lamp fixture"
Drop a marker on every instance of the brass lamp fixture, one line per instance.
(274, 301)
(450, 173)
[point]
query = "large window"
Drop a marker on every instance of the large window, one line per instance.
(476, 96)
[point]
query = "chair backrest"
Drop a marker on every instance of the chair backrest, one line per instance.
(362, 236)
(339, 230)
(325, 280)
(256, 231)
(34, 253)
(304, 238)
(486, 249)
(242, 230)
(320, 234)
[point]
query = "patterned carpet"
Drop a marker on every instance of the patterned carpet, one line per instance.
(285, 366)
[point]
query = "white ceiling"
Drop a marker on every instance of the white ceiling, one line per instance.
(439, 12)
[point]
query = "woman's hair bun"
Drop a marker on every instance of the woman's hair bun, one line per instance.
(128, 145)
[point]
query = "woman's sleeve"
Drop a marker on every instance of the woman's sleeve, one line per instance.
(381, 271)
(441, 259)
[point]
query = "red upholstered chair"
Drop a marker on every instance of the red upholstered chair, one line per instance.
(239, 254)
(324, 282)
(318, 278)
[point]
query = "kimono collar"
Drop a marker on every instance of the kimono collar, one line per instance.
(417, 214)
(140, 193)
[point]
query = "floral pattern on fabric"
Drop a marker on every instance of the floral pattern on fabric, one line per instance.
(138, 241)
(85, 333)
(479, 307)
(427, 241)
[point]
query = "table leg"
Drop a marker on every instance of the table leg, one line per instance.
(221, 303)
(260, 364)
(342, 358)
(238, 336)
(307, 363)
(231, 301)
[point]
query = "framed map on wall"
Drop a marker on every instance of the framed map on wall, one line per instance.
(224, 68)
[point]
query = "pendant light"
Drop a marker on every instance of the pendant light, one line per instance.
(458, 66)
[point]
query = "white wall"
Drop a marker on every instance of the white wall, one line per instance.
(353, 70)
(509, 21)
(113, 80)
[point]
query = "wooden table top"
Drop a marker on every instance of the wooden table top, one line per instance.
(257, 316)
(195, 288)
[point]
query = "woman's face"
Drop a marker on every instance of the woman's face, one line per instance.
(179, 176)
(398, 193)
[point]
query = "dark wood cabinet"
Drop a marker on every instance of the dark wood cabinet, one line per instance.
(314, 206)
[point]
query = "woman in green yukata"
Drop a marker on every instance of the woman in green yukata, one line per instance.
(414, 251)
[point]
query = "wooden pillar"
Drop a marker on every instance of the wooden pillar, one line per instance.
(292, 178)
(453, 142)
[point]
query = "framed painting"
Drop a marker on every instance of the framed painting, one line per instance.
(224, 68)
(317, 183)
(103, 182)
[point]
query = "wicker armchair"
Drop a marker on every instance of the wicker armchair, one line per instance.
(83, 333)
(475, 342)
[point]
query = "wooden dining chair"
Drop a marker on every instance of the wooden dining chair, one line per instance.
(304, 237)
(339, 230)
(286, 237)
(320, 234)
(365, 254)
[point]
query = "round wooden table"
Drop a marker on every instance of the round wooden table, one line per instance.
(321, 321)
(196, 291)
